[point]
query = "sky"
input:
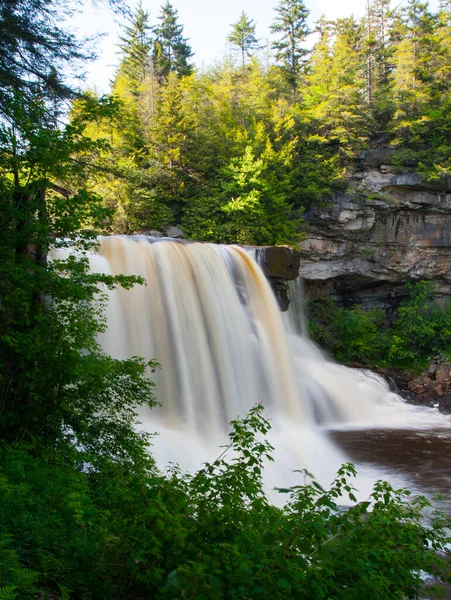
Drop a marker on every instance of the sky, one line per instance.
(206, 24)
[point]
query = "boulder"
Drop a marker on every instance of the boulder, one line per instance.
(149, 232)
(445, 404)
(174, 232)
(279, 262)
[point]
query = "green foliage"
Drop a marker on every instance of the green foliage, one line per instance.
(291, 26)
(243, 37)
(136, 46)
(352, 335)
(421, 328)
(85, 532)
(171, 51)
(252, 198)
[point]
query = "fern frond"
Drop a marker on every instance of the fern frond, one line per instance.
(8, 592)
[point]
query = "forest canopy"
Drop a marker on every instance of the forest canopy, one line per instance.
(237, 151)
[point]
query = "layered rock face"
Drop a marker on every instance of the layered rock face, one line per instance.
(387, 229)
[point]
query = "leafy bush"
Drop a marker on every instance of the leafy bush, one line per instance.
(421, 328)
(74, 531)
(352, 335)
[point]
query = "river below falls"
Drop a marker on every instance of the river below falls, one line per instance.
(421, 458)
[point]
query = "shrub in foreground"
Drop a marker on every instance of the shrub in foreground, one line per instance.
(109, 529)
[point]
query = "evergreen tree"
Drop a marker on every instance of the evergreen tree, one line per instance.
(291, 25)
(168, 142)
(136, 46)
(370, 52)
(243, 36)
(37, 54)
(414, 57)
(335, 92)
(171, 50)
(382, 17)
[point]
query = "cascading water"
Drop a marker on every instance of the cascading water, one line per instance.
(209, 317)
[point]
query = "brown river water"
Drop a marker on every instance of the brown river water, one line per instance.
(421, 457)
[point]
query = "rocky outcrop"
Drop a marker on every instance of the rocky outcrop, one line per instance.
(430, 388)
(385, 229)
(168, 232)
(280, 264)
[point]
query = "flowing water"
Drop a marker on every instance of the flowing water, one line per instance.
(209, 317)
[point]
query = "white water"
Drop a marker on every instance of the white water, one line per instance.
(209, 317)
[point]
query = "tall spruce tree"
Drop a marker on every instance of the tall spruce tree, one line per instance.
(291, 26)
(136, 46)
(243, 37)
(171, 52)
(382, 18)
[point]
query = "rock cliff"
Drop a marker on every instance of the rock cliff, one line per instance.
(386, 229)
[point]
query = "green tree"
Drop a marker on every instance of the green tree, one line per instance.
(171, 50)
(335, 93)
(136, 45)
(251, 203)
(243, 37)
(168, 146)
(37, 54)
(291, 26)
(413, 60)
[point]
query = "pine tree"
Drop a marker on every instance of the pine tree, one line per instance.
(169, 136)
(291, 25)
(382, 18)
(243, 36)
(414, 58)
(336, 88)
(171, 50)
(37, 54)
(136, 46)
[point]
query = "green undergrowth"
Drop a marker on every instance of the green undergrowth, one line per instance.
(420, 330)
(74, 528)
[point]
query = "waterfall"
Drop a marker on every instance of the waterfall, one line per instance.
(208, 315)
(297, 320)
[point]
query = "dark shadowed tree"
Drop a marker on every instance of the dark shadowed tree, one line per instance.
(171, 52)
(38, 54)
(291, 26)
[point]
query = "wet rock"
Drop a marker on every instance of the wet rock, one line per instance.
(279, 264)
(174, 232)
(432, 369)
(149, 232)
(442, 373)
(431, 388)
(445, 404)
